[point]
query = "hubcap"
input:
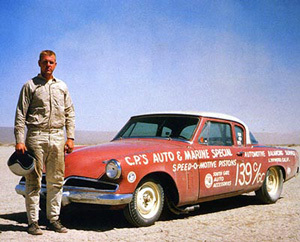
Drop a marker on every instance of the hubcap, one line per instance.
(148, 200)
(272, 181)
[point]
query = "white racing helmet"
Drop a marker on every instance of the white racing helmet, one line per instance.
(21, 164)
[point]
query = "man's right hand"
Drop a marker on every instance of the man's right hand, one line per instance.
(21, 148)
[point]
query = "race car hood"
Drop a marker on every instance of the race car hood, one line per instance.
(89, 161)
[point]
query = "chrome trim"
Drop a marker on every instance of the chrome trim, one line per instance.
(80, 178)
(84, 195)
(88, 179)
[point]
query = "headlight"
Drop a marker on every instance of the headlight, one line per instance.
(113, 169)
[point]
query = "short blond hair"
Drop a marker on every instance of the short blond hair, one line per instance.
(48, 53)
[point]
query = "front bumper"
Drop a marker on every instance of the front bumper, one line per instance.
(83, 195)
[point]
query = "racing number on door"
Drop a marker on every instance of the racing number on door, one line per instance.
(247, 173)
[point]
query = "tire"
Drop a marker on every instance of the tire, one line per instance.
(271, 188)
(146, 205)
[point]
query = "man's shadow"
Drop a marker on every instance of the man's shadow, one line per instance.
(20, 218)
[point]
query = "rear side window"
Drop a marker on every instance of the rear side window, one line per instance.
(252, 138)
(216, 134)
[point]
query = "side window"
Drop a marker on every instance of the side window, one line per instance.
(239, 135)
(217, 134)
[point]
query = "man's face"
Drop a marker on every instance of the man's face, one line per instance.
(47, 65)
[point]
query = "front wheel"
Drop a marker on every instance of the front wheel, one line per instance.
(272, 186)
(146, 205)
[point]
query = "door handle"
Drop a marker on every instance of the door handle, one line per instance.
(240, 153)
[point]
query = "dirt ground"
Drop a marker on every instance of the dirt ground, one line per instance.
(234, 219)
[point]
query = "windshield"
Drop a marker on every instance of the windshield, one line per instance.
(163, 126)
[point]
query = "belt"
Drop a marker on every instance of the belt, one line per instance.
(52, 130)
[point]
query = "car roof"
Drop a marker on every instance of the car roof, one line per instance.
(192, 113)
(204, 114)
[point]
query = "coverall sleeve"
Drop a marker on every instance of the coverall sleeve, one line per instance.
(21, 112)
(69, 116)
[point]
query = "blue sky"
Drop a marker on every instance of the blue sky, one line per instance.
(121, 58)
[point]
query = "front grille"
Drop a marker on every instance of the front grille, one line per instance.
(89, 183)
(82, 182)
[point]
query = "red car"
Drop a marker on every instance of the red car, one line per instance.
(176, 159)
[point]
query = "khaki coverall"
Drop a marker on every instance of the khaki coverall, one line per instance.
(45, 107)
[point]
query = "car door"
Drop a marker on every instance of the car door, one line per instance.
(249, 170)
(217, 173)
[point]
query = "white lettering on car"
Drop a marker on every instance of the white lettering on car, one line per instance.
(137, 160)
(217, 179)
(290, 152)
(203, 165)
(188, 155)
(275, 153)
(179, 157)
(255, 154)
(196, 154)
(226, 163)
(219, 153)
(185, 166)
(279, 160)
(223, 184)
(140, 159)
(208, 164)
(163, 157)
(246, 171)
(127, 159)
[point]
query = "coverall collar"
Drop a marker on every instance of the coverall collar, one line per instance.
(51, 80)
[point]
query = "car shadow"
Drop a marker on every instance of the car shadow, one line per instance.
(80, 218)
(91, 218)
(220, 205)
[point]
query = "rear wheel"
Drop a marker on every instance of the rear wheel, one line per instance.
(272, 186)
(146, 205)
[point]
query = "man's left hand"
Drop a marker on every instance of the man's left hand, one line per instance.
(69, 146)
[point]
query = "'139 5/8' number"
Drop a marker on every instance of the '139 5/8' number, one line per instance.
(245, 172)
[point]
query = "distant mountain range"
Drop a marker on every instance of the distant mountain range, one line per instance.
(97, 137)
(81, 137)
(278, 138)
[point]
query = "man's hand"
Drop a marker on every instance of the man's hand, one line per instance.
(69, 146)
(21, 148)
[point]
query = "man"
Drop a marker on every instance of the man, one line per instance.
(45, 107)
